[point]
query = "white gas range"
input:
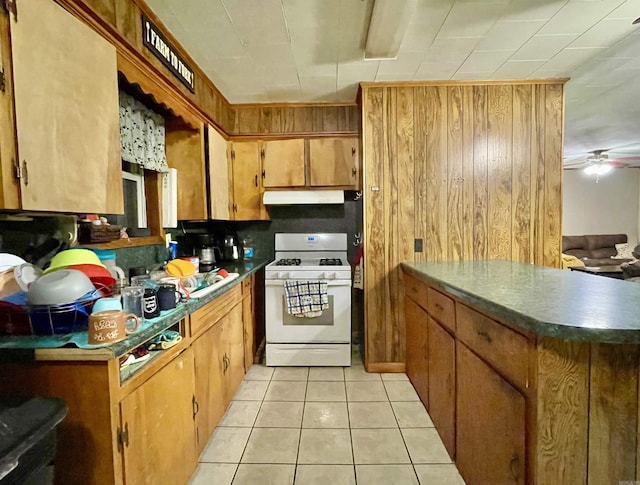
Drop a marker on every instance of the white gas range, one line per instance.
(319, 340)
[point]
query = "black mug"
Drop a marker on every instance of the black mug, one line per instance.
(168, 296)
(150, 303)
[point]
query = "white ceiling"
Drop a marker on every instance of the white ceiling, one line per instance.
(274, 51)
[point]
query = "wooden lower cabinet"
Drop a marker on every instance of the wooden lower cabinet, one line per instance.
(232, 344)
(158, 421)
(490, 428)
(208, 366)
(417, 362)
(442, 383)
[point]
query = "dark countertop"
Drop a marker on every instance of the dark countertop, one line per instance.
(547, 301)
(159, 324)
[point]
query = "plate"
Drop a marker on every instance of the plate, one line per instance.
(25, 274)
(9, 261)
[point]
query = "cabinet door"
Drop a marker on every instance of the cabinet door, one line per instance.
(283, 163)
(158, 417)
(333, 162)
(442, 383)
(490, 424)
(9, 186)
(208, 366)
(417, 360)
(67, 120)
(245, 159)
(233, 338)
(219, 186)
(185, 152)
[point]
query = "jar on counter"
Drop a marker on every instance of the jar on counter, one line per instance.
(248, 247)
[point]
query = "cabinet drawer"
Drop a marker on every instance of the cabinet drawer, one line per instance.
(506, 350)
(416, 290)
(213, 311)
(442, 308)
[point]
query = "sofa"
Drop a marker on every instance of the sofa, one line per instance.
(595, 249)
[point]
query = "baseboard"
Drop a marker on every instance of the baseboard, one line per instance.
(386, 367)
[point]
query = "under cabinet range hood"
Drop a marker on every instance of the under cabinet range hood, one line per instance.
(296, 197)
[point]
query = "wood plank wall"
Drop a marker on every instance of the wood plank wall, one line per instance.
(121, 21)
(473, 170)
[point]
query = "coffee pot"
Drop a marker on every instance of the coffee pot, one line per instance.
(231, 250)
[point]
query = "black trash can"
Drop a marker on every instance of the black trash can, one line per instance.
(27, 437)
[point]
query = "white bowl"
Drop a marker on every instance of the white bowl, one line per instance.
(59, 287)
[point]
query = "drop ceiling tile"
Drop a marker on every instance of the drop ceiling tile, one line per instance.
(532, 10)
(258, 21)
(310, 13)
(578, 16)
(357, 71)
(353, 22)
(605, 33)
(318, 70)
(472, 76)
(509, 35)
(350, 53)
(271, 53)
(628, 10)
(480, 61)
(406, 63)
(541, 47)
(516, 69)
(279, 74)
(436, 71)
(419, 37)
(392, 77)
(471, 19)
(450, 50)
(428, 12)
(548, 73)
(283, 93)
(569, 59)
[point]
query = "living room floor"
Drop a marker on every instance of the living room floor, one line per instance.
(325, 425)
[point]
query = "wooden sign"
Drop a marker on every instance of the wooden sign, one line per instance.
(157, 43)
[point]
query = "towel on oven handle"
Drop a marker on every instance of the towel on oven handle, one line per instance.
(306, 298)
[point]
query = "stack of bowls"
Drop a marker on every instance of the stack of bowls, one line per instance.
(87, 262)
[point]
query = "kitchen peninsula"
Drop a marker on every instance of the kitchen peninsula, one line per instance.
(148, 422)
(529, 373)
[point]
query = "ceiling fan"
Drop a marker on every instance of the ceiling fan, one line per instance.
(599, 162)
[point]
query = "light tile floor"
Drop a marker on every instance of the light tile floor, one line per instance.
(325, 425)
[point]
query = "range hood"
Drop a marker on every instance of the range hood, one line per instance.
(293, 197)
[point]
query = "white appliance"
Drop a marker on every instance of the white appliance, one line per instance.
(316, 341)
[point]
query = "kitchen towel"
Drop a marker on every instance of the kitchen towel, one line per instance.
(306, 298)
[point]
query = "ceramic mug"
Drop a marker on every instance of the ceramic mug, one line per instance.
(109, 303)
(109, 326)
(150, 303)
(168, 296)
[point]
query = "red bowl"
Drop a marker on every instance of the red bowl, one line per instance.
(99, 275)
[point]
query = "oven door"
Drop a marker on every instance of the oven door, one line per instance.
(333, 326)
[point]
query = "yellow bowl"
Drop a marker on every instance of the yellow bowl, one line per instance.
(180, 268)
(71, 257)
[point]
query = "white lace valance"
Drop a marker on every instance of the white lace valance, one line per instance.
(141, 135)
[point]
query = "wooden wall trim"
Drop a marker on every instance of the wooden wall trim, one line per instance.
(487, 82)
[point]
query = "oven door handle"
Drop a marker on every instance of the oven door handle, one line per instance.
(280, 283)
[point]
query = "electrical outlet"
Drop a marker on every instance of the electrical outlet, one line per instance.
(417, 245)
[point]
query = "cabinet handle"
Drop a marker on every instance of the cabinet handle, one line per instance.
(196, 406)
(255, 181)
(484, 335)
(353, 151)
(264, 174)
(438, 307)
(353, 172)
(123, 436)
(262, 155)
(25, 173)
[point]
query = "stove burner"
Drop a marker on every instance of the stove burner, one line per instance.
(288, 262)
(330, 262)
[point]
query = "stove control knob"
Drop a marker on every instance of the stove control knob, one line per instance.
(283, 275)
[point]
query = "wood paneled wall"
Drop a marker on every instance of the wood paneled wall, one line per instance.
(473, 170)
(296, 119)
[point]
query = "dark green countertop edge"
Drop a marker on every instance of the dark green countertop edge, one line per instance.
(245, 269)
(562, 304)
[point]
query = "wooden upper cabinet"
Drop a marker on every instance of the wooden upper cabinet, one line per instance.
(67, 120)
(333, 162)
(219, 176)
(245, 162)
(283, 163)
(185, 152)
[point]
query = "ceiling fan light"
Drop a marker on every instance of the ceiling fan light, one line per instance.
(598, 169)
